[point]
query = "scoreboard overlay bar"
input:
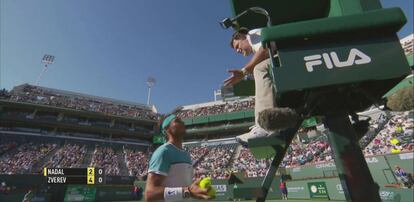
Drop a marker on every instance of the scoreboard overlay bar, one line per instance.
(85, 176)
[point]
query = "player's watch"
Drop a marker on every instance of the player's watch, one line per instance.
(244, 71)
(186, 193)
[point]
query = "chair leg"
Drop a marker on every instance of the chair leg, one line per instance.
(280, 153)
(355, 177)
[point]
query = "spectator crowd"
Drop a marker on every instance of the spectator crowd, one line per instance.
(69, 156)
(24, 158)
(395, 137)
(375, 126)
(7, 147)
(299, 154)
(196, 152)
(251, 166)
(38, 95)
(215, 161)
(230, 106)
(136, 162)
(106, 158)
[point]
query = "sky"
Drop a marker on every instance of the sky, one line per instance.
(109, 48)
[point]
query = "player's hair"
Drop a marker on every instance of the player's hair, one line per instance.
(239, 34)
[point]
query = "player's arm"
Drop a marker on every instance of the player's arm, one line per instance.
(258, 57)
(238, 74)
(155, 191)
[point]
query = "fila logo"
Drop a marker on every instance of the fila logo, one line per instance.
(332, 60)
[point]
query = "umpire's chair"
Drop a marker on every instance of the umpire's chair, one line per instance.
(335, 58)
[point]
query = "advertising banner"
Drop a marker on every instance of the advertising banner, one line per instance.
(318, 190)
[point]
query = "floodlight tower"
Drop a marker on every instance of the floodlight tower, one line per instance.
(150, 83)
(47, 60)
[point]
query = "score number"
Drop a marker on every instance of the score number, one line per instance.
(99, 175)
(91, 175)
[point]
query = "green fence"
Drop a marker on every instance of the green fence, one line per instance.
(80, 193)
(381, 168)
(300, 190)
(315, 171)
(378, 168)
(396, 195)
(404, 160)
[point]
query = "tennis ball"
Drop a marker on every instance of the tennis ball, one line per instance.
(205, 183)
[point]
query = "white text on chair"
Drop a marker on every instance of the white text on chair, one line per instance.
(332, 59)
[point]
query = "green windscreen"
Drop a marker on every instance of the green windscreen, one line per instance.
(80, 193)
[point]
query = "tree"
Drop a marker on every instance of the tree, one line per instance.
(402, 100)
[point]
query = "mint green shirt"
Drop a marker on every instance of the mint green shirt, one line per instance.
(174, 163)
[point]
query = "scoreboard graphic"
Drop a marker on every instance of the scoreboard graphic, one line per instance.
(88, 176)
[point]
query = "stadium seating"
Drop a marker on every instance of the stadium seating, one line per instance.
(216, 109)
(247, 163)
(136, 162)
(215, 162)
(17, 156)
(22, 159)
(105, 157)
(388, 135)
(68, 156)
(395, 137)
(38, 95)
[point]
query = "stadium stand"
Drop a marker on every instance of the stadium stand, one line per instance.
(214, 108)
(5, 147)
(395, 137)
(407, 43)
(46, 96)
(37, 115)
(23, 158)
(68, 156)
(4, 94)
(215, 160)
(375, 126)
(136, 161)
(388, 133)
(197, 152)
(301, 153)
(316, 151)
(105, 157)
(251, 166)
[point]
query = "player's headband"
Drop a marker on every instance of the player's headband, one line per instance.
(166, 123)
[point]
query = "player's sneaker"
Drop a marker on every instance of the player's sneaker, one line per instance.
(255, 132)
